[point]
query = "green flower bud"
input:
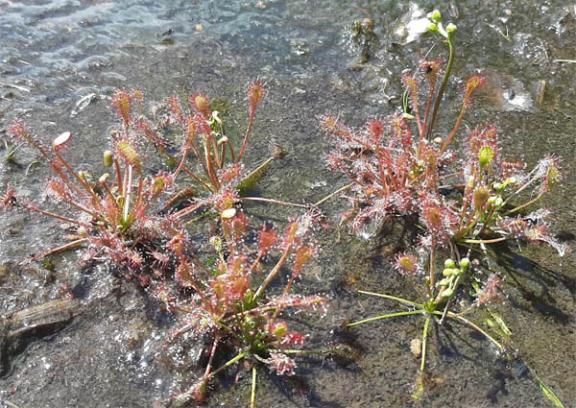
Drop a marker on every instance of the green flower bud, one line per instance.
(480, 197)
(280, 330)
(435, 16)
(249, 322)
(485, 156)
(450, 271)
(107, 158)
(510, 181)
(84, 175)
(497, 186)
(432, 28)
(446, 293)
(216, 243)
(464, 263)
(449, 263)
(444, 282)
(451, 28)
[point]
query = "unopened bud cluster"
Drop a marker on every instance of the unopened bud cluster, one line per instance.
(436, 25)
(451, 274)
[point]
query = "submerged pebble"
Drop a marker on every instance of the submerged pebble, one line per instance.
(416, 347)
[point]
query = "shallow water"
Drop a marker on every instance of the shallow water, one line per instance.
(57, 53)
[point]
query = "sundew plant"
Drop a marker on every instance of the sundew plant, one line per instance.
(457, 189)
(237, 308)
(225, 290)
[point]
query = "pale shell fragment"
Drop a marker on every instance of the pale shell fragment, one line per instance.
(61, 140)
(228, 213)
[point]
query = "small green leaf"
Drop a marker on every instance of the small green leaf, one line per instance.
(548, 392)
(505, 331)
(252, 179)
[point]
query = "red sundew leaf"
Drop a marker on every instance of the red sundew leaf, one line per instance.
(278, 329)
(240, 225)
(293, 339)
(329, 123)
(332, 125)
(290, 234)
(438, 219)
(200, 390)
(177, 245)
(157, 186)
(406, 138)
(406, 264)
(152, 136)
(256, 93)
(281, 364)
(235, 264)
(230, 287)
(490, 292)
(191, 131)
(58, 189)
(111, 209)
(235, 222)
(176, 109)
(298, 302)
(185, 274)
(202, 125)
(161, 260)
(410, 81)
(133, 259)
(473, 83)
(225, 200)
(431, 68)
(201, 104)
(268, 238)
(123, 104)
(516, 227)
(19, 131)
(129, 153)
(8, 200)
(302, 257)
(411, 84)
(478, 139)
(232, 173)
(510, 169)
(138, 95)
(480, 197)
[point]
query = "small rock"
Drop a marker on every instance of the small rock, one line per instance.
(3, 272)
(416, 347)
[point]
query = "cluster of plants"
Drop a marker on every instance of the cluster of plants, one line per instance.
(455, 194)
(140, 221)
(233, 290)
